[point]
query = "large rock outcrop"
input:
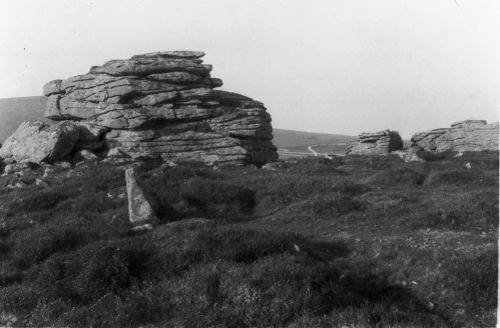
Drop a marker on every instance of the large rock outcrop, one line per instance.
(163, 105)
(375, 143)
(469, 135)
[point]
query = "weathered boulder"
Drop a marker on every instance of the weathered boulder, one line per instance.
(469, 135)
(139, 208)
(376, 143)
(162, 105)
(427, 140)
(36, 142)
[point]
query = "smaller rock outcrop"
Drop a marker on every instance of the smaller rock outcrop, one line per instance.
(139, 209)
(376, 143)
(468, 135)
(427, 140)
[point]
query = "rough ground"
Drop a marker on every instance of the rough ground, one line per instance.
(353, 241)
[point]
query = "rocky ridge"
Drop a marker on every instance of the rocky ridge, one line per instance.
(375, 143)
(156, 105)
(468, 135)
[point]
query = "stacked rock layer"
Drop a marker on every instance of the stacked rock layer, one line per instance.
(375, 143)
(469, 135)
(162, 105)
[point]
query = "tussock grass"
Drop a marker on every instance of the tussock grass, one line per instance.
(460, 177)
(397, 176)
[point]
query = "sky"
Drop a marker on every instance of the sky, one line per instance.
(332, 66)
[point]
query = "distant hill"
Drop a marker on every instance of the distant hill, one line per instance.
(292, 143)
(13, 111)
(300, 140)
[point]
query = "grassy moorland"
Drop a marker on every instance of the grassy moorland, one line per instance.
(353, 241)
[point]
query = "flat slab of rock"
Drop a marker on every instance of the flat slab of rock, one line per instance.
(173, 54)
(145, 65)
(139, 208)
(468, 124)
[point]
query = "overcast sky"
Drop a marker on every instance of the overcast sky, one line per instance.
(323, 66)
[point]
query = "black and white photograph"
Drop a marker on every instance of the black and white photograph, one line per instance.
(249, 163)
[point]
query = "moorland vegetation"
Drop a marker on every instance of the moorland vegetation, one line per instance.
(359, 241)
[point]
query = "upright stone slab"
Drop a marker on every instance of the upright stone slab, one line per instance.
(139, 208)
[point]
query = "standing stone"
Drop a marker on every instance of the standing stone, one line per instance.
(139, 208)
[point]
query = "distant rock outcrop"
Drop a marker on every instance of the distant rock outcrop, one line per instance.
(163, 105)
(469, 135)
(376, 143)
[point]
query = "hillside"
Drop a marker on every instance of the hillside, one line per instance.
(290, 142)
(357, 241)
(15, 110)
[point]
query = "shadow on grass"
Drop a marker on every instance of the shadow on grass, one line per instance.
(131, 282)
